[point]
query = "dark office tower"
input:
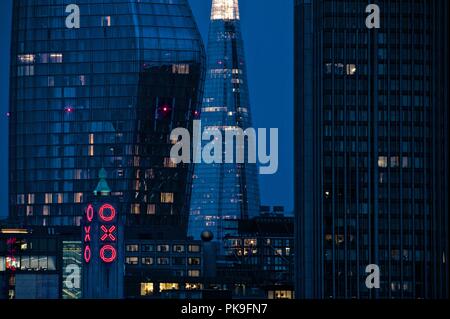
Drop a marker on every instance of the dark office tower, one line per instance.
(106, 95)
(372, 148)
(223, 193)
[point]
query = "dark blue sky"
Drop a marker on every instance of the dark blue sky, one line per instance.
(267, 27)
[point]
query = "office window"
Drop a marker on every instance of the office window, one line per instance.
(178, 248)
(78, 198)
(163, 248)
(147, 248)
(180, 68)
(27, 58)
(190, 286)
(168, 286)
(194, 248)
(151, 209)
(147, 289)
(56, 58)
(135, 209)
(167, 198)
(194, 261)
(132, 248)
(132, 260)
(147, 261)
(163, 261)
(194, 273)
(168, 163)
(106, 21)
(383, 162)
(351, 69)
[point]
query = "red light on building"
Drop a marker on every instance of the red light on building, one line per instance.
(108, 254)
(104, 217)
(68, 109)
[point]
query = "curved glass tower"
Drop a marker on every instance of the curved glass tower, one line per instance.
(106, 95)
(224, 193)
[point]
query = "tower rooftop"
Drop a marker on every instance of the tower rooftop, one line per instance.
(225, 10)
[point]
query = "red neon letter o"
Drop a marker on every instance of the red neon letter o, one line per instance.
(109, 218)
(87, 254)
(113, 252)
(90, 213)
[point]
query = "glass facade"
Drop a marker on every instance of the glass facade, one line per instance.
(106, 95)
(224, 193)
(371, 129)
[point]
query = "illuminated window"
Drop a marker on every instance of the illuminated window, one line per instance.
(132, 261)
(151, 209)
(147, 289)
(190, 286)
(168, 163)
(168, 286)
(214, 109)
(106, 21)
(91, 150)
(180, 68)
(46, 210)
(281, 294)
(167, 198)
(78, 198)
(132, 248)
(351, 69)
(147, 261)
(27, 58)
(194, 248)
(178, 248)
(56, 58)
(194, 261)
(382, 162)
(82, 80)
(135, 209)
(194, 273)
(250, 242)
(31, 198)
(163, 248)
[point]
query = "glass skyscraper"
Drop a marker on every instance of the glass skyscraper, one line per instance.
(105, 95)
(372, 148)
(224, 193)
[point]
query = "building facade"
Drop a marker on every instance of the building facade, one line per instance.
(223, 193)
(372, 134)
(107, 94)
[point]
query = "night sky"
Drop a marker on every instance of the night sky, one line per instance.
(267, 27)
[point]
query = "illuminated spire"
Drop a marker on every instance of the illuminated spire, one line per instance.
(225, 10)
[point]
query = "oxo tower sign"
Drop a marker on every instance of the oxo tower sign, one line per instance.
(103, 256)
(100, 231)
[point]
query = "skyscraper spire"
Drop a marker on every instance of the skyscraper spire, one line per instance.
(225, 10)
(224, 193)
